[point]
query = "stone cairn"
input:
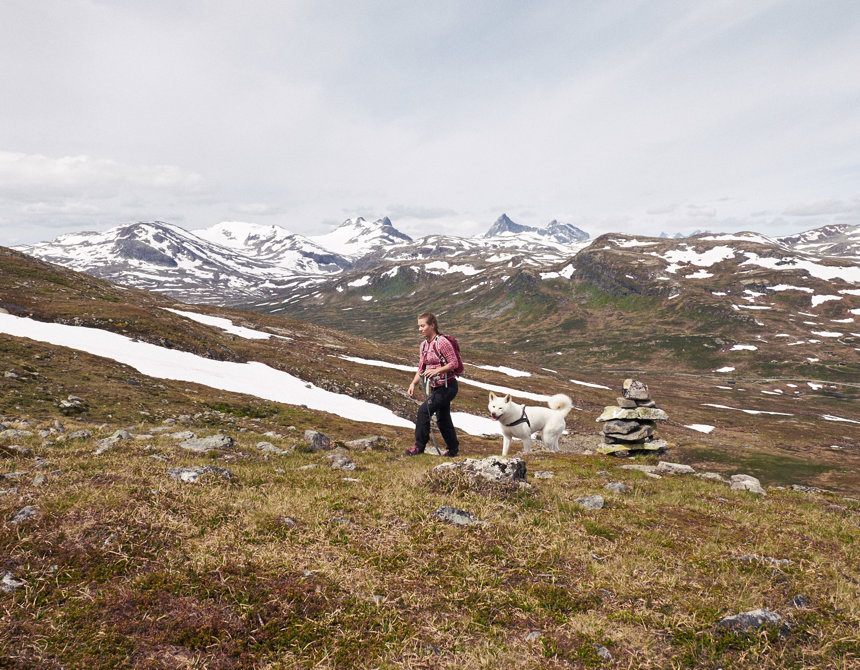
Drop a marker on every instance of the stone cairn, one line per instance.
(629, 425)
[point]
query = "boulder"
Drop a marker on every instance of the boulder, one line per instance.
(751, 620)
(317, 441)
(492, 468)
(591, 502)
(367, 443)
(458, 517)
(616, 487)
(665, 467)
(340, 461)
(79, 435)
(746, 483)
(204, 444)
(635, 390)
(121, 435)
(640, 413)
(625, 403)
(191, 475)
(270, 448)
(24, 514)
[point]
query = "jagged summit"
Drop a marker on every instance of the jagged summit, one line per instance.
(504, 224)
(563, 233)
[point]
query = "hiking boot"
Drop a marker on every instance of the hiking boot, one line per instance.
(451, 453)
(414, 451)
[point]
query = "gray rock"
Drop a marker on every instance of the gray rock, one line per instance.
(317, 441)
(603, 652)
(591, 502)
(765, 560)
(11, 476)
(799, 602)
(204, 444)
(24, 514)
(645, 403)
(191, 475)
(637, 466)
(183, 435)
(543, 474)
(270, 448)
(79, 435)
(665, 467)
(39, 480)
(309, 466)
(805, 489)
(367, 443)
(457, 516)
(746, 483)
(638, 435)
(616, 487)
(712, 475)
(751, 620)
(339, 461)
(492, 468)
(622, 426)
(625, 403)
(10, 584)
(13, 434)
(643, 413)
(169, 422)
(10, 375)
(105, 445)
(635, 390)
(533, 636)
(121, 435)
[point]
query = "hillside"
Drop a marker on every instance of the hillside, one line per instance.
(118, 553)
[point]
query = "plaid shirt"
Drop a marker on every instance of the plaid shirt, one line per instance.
(434, 355)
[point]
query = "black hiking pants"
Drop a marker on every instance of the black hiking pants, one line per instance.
(438, 403)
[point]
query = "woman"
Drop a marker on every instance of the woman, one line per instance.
(437, 359)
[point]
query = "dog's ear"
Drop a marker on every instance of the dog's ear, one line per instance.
(492, 396)
(508, 398)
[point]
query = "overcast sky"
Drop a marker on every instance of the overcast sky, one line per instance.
(634, 116)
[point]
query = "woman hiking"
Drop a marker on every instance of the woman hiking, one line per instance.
(436, 361)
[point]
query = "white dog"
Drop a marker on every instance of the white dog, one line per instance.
(520, 421)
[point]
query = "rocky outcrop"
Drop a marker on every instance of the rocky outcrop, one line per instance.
(493, 469)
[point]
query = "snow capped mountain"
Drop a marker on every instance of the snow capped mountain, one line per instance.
(356, 237)
(164, 257)
(562, 233)
(836, 240)
(274, 244)
(246, 263)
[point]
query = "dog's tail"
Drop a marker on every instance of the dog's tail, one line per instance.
(560, 403)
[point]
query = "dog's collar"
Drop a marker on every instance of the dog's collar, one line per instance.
(523, 419)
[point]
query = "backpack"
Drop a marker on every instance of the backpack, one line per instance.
(458, 368)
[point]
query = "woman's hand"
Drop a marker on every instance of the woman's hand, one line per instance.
(411, 390)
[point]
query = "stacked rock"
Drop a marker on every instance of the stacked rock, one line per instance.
(629, 425)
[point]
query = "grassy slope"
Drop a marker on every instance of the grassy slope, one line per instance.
(128, 568)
